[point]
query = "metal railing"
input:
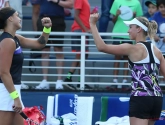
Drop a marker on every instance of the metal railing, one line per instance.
(94, 57)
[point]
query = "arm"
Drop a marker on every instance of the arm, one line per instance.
(78, 20)
(7, 4)
(114, 19)
(7, 49)
(33, 43)
(123, 49)
(65, 4)
(41, 41)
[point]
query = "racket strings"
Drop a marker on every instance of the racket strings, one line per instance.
(30, 121)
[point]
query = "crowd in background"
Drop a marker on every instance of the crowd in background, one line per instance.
(111, 10)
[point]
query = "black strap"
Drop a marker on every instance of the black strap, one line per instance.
(31, 63)
(33, 56)
(130, 63)
(148, 46)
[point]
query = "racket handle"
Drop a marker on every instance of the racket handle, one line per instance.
(26, 118)
(24, 115)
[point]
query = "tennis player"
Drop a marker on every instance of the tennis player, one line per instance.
(11, 61)
(145, 62)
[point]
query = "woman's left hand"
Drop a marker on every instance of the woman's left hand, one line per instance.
(46, 22)
(94, 18)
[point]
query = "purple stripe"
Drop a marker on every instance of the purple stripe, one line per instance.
(18, 51)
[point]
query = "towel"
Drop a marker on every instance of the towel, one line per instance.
(65, 103)
(115, 121)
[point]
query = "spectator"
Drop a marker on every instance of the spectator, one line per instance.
(4, 3)
(105, 15)
(80, 24)
(54, 9)
(35, 12)
(118, 11)
(152, 8)
(159, 17)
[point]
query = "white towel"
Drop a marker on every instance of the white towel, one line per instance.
(69, 119)
(50, 105)
(115, 121)
(85, 110)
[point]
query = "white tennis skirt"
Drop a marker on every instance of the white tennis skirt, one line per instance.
(6, 102)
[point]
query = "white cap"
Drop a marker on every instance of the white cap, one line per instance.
(136, 22)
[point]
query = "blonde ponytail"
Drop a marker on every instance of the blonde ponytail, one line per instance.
(151, 25)
(152, 29)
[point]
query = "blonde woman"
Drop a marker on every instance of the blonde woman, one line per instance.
(145, 61)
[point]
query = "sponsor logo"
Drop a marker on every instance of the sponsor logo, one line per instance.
(73, 104)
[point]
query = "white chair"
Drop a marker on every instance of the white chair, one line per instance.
(50, 109)
(84, 110)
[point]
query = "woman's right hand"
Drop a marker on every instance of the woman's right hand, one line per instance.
(46, 21)
(17, 107)
(94, 18)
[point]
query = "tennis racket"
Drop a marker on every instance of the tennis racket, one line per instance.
(30, 121)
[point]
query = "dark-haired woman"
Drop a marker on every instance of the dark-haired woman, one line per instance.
(11, 60)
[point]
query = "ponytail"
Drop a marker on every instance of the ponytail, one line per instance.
(152, 29)
(151, 25)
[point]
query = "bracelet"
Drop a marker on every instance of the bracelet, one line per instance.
(47, 30)
(14, 95)
(58, 2)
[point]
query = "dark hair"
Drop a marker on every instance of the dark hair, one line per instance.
(159, 2)
(5, 13)
(151, 25)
